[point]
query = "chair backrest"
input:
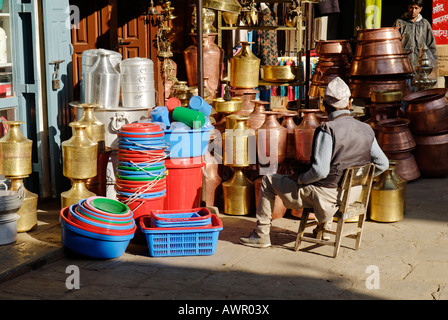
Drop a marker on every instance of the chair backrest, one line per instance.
(362, 177)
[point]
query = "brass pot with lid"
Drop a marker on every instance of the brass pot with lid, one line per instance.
(244, 68)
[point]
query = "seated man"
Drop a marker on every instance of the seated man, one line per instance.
(338, 144)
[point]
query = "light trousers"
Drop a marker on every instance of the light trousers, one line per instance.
(324, 201)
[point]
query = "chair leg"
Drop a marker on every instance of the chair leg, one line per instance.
(339, 232)
(361, 220)
(303, 221)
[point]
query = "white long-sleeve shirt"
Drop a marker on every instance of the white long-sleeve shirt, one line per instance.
(320, 168)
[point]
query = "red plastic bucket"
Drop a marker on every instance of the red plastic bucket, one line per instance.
(183, 183)
(144, 206)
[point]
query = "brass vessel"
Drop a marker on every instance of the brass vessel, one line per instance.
(223, 5)
(244, 68)
(238, 195)
(28, 210)
(181, 91)
(79, 154)
(278, 73)
(15, 152)
(227, 107)
(387, 200)
(79, 159)
(239, 144)
(95, 129)
(231, 19)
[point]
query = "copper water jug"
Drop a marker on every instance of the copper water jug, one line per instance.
(394, 135)
(244, 68)
(213, 57)
(406, 166)
(15, 152)
(290, 125)
(257, 117)
(271, 140)
(304, 134)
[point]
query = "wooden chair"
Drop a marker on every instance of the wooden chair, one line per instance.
(354, 176)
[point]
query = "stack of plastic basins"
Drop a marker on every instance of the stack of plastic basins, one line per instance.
(97, 227)
(141, 173)
(181, 232)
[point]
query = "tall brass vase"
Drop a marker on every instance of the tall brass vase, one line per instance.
(387, 199)
(244, 68)
(79, 157)
(238, 143)
(15, 164)
(238, 194)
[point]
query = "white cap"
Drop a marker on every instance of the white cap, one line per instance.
(337, 94)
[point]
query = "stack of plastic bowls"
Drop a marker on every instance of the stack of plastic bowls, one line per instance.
(97, 227)
(137, 83)
(89, 58)
(141, 173)
(10, 203)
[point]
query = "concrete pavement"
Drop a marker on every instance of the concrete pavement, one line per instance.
(397, 261)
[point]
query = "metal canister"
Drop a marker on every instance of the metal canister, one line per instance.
(15, 152)
(239, 144)
(96, 130)
(238, 195)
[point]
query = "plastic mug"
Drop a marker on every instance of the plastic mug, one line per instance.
(172, 103)
(192, 118)
(199, 104)
(160, 114)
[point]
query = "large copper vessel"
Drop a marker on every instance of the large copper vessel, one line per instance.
(304, 134)
(394, 135)
(431, 154)
(212, 188)
(15, 152)
(363, 88)
(247, 95)
(290, 125)
(213, 57)
(387, 199)
(271, 141)
(376, 34)
(244, 68)
(378, 48)
(428, 111)
(381, 65)
(385, 104)
(333, 47)
(406, 166)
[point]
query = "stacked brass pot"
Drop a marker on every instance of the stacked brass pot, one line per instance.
(427, 111)
(379, 63)
(334, 61)
(16, 164)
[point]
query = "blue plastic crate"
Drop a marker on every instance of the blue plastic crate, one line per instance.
(168, 242)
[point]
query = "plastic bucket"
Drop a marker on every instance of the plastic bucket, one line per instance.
(183, 183)
(192, 118)
(187, 143)
(141, 207)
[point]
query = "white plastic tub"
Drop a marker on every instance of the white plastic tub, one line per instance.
(8, 230)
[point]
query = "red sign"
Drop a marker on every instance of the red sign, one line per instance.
(440, 21)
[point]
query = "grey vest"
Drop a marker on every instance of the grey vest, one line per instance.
(352, 143)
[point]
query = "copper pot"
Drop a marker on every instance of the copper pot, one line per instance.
(381, 65)
(406, 166)
(394, 135)
(212, 184)
(363, 88)
(289, 124)
(378, 48)
(430, 154)
(428, 111)
(257, 117)
(333, 47)
(279, 208)
(303, 135)
(247, 96)
(383, 111)
(271, 137)
(378, 34)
